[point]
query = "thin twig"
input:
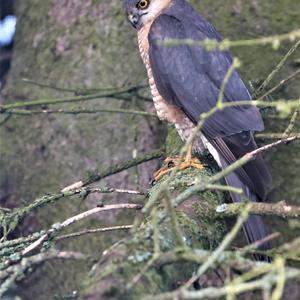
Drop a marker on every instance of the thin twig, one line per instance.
(281, 83)
(224, 188)
(22, 240)
(156, 250)
(92, 231)
(24, 112)
(82, 91)
(275, 136)
(277, 69)
(11, 220)
(96, 176)
(111, 190)
(222, 247)
(216, 293)
(291, 125)
(5, 120)
(239, 163)
(257, 244)
(70, 221)
(73, 99)
(226, 44)
(174, 221)
(280, 266)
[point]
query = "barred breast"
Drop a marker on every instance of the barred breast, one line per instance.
(165, 110)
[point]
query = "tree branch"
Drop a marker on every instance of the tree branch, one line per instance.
(11, 275)
(77, 111)
(58, 227)
(91, 231)
(12, 218)
(277, 69)
(280, 209)
(96, 175)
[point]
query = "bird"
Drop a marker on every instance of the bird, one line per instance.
(186, 80)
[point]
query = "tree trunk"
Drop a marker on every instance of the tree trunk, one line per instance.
(87, 44)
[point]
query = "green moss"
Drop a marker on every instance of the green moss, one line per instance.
(39, 155)
(173, 142)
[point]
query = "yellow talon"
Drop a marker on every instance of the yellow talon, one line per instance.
(171, 162)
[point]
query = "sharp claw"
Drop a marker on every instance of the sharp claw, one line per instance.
(171, 162)
(161, 172)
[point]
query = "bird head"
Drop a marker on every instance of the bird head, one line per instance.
(140, 12)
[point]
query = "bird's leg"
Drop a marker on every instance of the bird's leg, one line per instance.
(171, 162)
(168, 165)
(190, 161)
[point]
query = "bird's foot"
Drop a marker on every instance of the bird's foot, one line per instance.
(172, 162)
(191, 162)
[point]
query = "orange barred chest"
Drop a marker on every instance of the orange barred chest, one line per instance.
(165, 111)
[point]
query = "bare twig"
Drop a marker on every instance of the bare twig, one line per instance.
(225, 243)
(275, 136)
(77, 111)
(281, 83)
(70, 221)
(118, 191)
(120, 94)
(291, 125)
(224, 188)
(5, 120)
(257, 244)
(96, 176)
(226, 44)
(156, 250)
(83, 91)
(277, 69)
(280, 268)
(12, 218)
(92, 231)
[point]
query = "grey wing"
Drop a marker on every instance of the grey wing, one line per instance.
(254, 174)
(191, 77)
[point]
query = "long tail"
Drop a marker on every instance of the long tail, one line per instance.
(254, 227)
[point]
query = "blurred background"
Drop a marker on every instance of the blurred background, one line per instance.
(7, 32)
(62, 47)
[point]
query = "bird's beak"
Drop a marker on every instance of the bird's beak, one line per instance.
(134, 19)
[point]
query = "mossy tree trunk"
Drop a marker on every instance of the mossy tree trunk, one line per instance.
(88, 44)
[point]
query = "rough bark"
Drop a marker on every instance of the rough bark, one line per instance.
(84, 44)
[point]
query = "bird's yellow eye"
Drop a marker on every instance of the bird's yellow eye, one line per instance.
(143, 4)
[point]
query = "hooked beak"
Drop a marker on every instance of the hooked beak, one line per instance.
(134, 19)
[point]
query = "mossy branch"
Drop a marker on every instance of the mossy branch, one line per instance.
(9, 276)
(9, 220)
(281, 209)
(125, 94)
(211, 44)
